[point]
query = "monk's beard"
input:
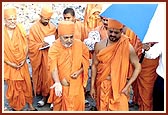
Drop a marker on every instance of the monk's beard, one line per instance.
(11, 26)
(67, 45)
(113, 39)
(106, 27)
(45, 23)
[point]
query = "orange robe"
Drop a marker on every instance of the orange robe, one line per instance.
(113, 61)
(90, 22)
(69, 60)
(39, 58)
(145, 83)
(79, 30)
(19, 91)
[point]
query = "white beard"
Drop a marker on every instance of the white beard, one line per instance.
(12, 26)
(67, 46)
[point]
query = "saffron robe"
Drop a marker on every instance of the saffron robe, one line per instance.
(69, 60)
(90, 21)
(145, 84)
(19, 91)
(114, 62)
(39, 58)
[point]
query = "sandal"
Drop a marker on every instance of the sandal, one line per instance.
(5, 108)
(13, 109)
(32, 110)
(40, 103)
(87, 104)
(51, 106)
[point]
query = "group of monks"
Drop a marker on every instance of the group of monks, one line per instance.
(60, 70)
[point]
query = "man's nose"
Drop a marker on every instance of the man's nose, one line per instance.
(69, 39)
(113, 34)
(13, 20)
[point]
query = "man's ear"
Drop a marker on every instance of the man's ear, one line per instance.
(123, 30)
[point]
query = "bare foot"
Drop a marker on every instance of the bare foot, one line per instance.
(31, 108)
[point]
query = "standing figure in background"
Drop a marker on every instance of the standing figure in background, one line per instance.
(16, 72)
(145, 81)
(92, 18)
(102, 29)
(156, 53)
(99, 33)
(150, 81)
(69, 15)
(40, 32)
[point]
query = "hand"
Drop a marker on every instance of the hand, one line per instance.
(45, 44)
(21, 64)
(13, 65)
(146, 46)
(58, 89)
(75, 75)
(93, 93)
(64, 82)
(17, 67)
(125, 91)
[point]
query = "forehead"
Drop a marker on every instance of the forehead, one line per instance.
(68, 15)
(67, 35)
(113, 29)
(45, 18)
(11, 17)
(96, 13)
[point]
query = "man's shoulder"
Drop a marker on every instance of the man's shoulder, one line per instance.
(77, 40)
(124, 37)
(101, 42)
(52, 25)
(20, 26)
(78, 22)
(100, 45)
(57, 43)
(35, 25)
(98, 28)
